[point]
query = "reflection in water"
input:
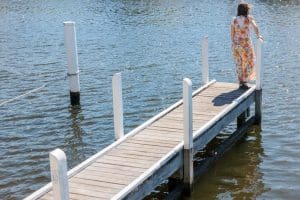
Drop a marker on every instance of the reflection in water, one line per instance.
(236, 175)
(74, 139)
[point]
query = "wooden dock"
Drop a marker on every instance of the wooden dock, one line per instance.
(134, 165)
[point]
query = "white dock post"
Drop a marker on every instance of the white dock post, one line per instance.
(72, 58)
(59, 177)
(258, 92)
(188, 170)
(118, 105)
(205, 70)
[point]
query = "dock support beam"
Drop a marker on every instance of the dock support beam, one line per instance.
(258, 92)
(241, 119)
(205, 70)
(188, 169)
(59, 177)
(118, 105)
(73, 70)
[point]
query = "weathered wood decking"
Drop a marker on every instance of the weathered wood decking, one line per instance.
(131, 168)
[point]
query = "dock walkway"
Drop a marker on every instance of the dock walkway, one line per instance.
(134, 165)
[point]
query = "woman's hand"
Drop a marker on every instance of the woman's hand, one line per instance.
(260, 37)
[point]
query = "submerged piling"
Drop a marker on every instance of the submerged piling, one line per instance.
(72, 59)
(258, 91)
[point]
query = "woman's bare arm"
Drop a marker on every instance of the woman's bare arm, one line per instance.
(232, 32)
(255, 27)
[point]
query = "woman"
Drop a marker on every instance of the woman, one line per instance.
(242, 47)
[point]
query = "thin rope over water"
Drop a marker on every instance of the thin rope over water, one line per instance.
(23, 95)
(28, 93)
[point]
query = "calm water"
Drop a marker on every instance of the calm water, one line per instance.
(155, 44)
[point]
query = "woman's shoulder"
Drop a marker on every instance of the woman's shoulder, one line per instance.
(233, 21)
(250, 17)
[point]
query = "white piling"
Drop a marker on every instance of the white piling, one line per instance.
(118, 105)
(188, 170)
(187, 113)
(205, 70)
(59, 178)
(258, 92)
(72, 58)
(258, 63)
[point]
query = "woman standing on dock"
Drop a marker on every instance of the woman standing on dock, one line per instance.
(242, 47)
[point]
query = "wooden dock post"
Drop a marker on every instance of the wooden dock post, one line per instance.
(72, 58)
(59, 178)
(258, 92)
(118, 105)
(205, 70)
(188, 169)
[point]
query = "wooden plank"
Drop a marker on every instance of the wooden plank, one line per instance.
(114, 171)
(196, 115)
(81, 194)
(159, 140)
(93, 188)
(152, 142)
(97, 183)
(118, 167)
(135, 160)
(166, 129)
(145, 146)
(126, 164)
(161, 137)
(109, 174)
(163, 134)
(168, 125)
(140, 157)
(108, 178)
(203, 118)
(140, 153)
(163, 131)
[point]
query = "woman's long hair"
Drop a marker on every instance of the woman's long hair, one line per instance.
(243, 10)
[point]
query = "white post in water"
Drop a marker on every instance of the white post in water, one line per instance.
(205, 70)
(258, 92)
(73, 70)
(118, 105)
(59, 177)
(258, 64)
(188, 170)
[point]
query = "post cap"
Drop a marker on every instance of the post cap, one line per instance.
(58, 154)
(187, 81)
(69, 23)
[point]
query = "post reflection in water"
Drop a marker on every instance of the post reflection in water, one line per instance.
(237, 174)
(74, 143)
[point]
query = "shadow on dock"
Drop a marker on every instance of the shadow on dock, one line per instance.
(226, 98)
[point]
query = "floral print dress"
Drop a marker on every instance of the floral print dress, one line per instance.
(242, 49)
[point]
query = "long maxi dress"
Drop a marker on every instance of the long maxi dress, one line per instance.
(242, 49)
